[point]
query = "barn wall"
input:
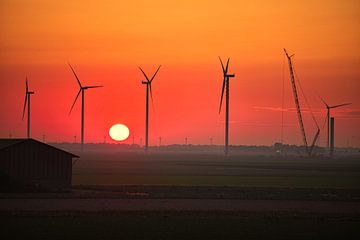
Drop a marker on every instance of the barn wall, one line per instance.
(36, 163)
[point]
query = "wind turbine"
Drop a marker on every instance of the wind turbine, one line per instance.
(225, 86)
(148, 89)
(328, 118)
(27, 101)
(82, 91)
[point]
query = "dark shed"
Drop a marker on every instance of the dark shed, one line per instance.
(30, 162)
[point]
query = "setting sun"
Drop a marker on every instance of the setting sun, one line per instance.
(119, 132)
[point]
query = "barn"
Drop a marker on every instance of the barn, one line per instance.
(29, 162)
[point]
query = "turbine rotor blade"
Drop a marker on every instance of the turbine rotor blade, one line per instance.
(75, 101)
(324, 102)
(92, 87)
(222, 94)
(144, 74)
(222, 66)
(24, 106)
(151, 96)
(340, 105)
(155, 74)
(227, 66)
(27, 87)
(75, 75)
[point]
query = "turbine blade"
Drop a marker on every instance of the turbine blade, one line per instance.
(222, 65)
(144, 74)
(324, 102)
(24, 106)
(27, 87)
(222, 94)
(75, 75)
(75, 101)
(155, 74)
(151, 96)
(340, 105)
(227, 65)
(93, 86)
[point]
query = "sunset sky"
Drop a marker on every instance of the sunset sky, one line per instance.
(106, 41)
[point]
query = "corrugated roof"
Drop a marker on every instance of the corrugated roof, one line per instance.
(8, 142)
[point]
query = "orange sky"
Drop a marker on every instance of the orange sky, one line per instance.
(105, 42)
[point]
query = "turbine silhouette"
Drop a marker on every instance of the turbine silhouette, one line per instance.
(328, 119)
(82, 91)
(27, 101)
(148, 83)
(226, 88)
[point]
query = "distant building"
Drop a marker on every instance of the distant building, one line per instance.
(34, 163)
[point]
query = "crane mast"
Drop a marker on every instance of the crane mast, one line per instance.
(301, 123)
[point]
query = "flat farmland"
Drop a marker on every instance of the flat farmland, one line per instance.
(202, 169)
(193, 195)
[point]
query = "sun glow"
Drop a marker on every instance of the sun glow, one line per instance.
(119, 132)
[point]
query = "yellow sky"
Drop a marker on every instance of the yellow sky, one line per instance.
(176, 31)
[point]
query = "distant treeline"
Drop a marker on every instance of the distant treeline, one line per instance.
(277, 148)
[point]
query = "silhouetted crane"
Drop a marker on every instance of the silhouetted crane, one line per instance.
(309, 150)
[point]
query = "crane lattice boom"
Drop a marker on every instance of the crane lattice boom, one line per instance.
(298, 109)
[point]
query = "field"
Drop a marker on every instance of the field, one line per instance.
(193, 195)
(201, 169)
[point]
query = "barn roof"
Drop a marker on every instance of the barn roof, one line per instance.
(9, 142)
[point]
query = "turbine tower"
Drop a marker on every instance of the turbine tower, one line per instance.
(148, 89)
(328, 117)
(225, 86)
(27, 101)
(82, 91)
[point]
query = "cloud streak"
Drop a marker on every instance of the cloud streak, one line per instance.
(339, 113)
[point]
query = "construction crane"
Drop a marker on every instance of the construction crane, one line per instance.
(310, 149)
